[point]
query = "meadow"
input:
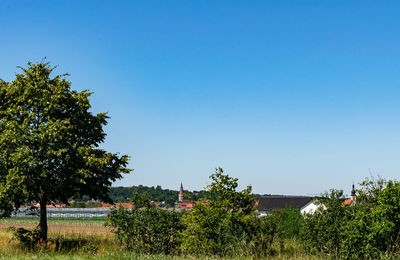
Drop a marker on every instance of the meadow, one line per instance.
(69, 238)
(89, 239)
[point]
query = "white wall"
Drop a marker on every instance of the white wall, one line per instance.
(309, 208)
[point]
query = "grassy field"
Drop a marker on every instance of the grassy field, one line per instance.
(86, 239)
(69, 238)
(51, 221)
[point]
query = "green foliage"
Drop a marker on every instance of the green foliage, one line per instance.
(49, 143)
(357, 234)
(322, 229)
(93, 204)
(28, 238)
(223, 222)
(268, 232)
(88, 204)
(123, 194)
(90, 248)
(221, 193)
(369, 229)
(290, 222)
(370, 189)
(372, 227)
(277, 226)
(386, 217)
(78, 204)
(147, 230)
(141, 200)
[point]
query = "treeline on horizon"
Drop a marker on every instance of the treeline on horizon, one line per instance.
(169, 197)
(124, 194)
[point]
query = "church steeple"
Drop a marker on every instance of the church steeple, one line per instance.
(180, 196)
(353, 193)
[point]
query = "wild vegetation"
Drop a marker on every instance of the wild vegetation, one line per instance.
(224, 224)
(368, 229)
(90, 239)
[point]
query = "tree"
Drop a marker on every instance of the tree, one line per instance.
(386, 216)
(322, 229)
(221, 193)
(49, 143)
(217, 224)
(142, 200)
(370, 189)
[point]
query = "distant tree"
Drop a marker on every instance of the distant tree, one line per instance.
(93, 204)
(142, 200)
(49, 142)
(78, 204)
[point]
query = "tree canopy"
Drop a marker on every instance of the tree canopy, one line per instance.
(49, 143)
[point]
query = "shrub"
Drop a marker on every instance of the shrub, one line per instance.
(93, 204)
(368, 230)
(223, 223)
(78, 204)
(28, 238)
(322, 229)
(90, 248)
(289, 223)
(357, 234)
(147, 230)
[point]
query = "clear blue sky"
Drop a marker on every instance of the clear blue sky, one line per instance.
(292, 97)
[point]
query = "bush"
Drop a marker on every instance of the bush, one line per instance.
(147, 230)
(278, 225)
(90, 248)
(28, 238)
(78, 204)
(224, 223)
(322, 229)
(289, 223)
(93, 204)
(357, 234)
(368, 230)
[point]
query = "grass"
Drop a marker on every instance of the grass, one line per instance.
(108, 256)
(50, 221)
(72, 238)
(90, 239)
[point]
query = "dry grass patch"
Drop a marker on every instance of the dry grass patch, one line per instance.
(61, 228)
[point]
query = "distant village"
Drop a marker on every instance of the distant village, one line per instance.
(264, 204)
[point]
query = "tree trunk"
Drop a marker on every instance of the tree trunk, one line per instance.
(43, 220)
